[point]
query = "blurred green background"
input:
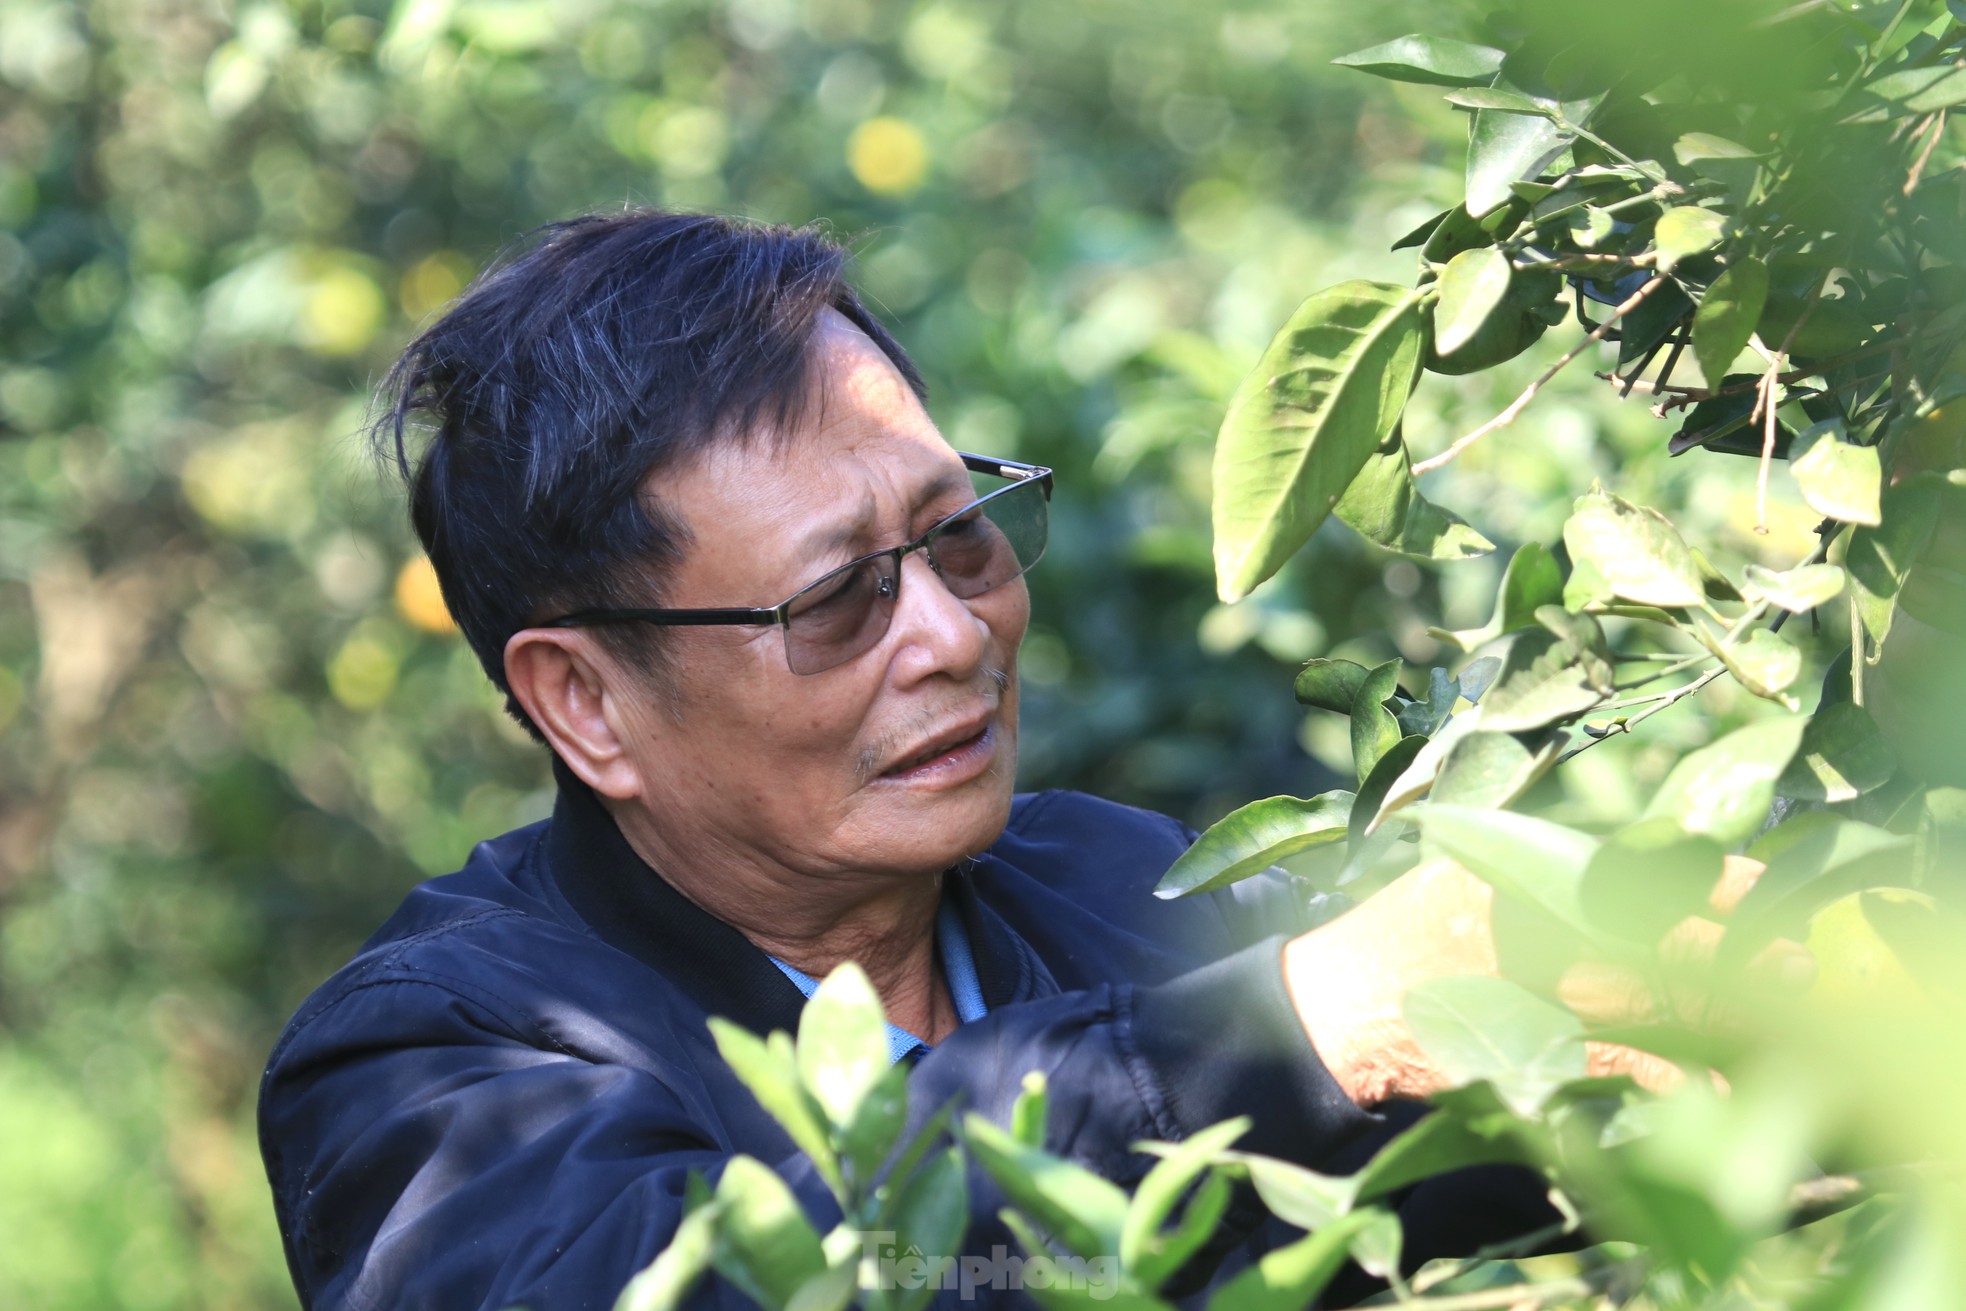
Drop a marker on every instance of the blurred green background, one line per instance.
(234, 726)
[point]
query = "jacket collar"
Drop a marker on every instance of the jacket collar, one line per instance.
(633, 909)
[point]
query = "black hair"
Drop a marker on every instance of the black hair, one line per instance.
(566, 375)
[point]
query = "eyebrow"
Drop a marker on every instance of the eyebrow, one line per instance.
(843, 533)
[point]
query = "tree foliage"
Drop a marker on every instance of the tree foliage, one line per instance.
(1761, 240)
(236, 726)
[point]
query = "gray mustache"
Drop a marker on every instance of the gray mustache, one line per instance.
(891, 744)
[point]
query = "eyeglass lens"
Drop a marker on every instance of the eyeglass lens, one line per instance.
(982, 547)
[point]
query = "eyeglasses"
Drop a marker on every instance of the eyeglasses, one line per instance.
(829, 621)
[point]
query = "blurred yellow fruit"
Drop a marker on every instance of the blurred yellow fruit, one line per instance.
(888, 156)
(342, 313)
(420, 600)
(432, 283)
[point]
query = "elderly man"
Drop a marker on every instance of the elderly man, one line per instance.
(688, 509)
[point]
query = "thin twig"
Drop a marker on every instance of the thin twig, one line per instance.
(1511, 1295)
(1859, 652)
(1671, 698)
(1680, 664)
(1764, 409)
(1681, 394)
(1641, 367)
(1925, 155)
(1516, 406)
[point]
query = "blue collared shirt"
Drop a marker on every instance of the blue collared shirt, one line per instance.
(958, 968)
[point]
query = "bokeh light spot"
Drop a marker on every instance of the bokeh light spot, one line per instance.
(888, 156)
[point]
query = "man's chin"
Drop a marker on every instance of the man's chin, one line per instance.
(930, 831)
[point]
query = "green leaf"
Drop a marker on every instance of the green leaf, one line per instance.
(1432, 60)
(1250, 840)
(1200, 1220)
(1726, 162)
(1880, 558)
(1636, 550)
(1842, 756)
(1724, 790)
(1922, 90)
(1727, 316)
(829, 1290)
(1376, 1247)
(1374, 729)
(1487, 769)
(1142, 1253)
(1498, 100)
(1813, 858)
(1715, 584)
(931, 1216)
(1321, 400)
(765, 1245)
(1838, 478)
(867, 1141)
(1796, 590)
(1446, 1140)
(1696, 146)
(1662, 310)
(1648, 877)
(1478, 1028)
(1552, 673)
(1077, 1207)
(1472, 286)
(1384, 506)
(770, 1070)
(1296, 1195)
(1291, 1277)
(1532, 860)
(666, 1282)
(1862, 960)
(1532, 579)
(1506, 148)
(1418, 236)
(1031, 1110)
(1589, 227)
(1414, 782)
(1766, 663)
(1685, 231)
(843, 1049)
(1372, 791)
(1478, 675)
(1329, 684)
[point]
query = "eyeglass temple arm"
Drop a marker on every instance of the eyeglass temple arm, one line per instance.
(585, 618)
(1001, 468)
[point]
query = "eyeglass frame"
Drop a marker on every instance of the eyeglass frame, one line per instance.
(780, 615)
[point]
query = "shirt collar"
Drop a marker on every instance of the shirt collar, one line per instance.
(958, 970)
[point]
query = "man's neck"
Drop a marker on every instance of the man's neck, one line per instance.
(815, 923)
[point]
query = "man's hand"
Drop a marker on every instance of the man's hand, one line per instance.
(1348, 977)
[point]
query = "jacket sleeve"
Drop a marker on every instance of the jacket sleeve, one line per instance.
(429, 1149)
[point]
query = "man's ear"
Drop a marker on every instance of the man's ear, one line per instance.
(575, 695)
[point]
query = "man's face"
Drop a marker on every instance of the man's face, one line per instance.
(901, 760)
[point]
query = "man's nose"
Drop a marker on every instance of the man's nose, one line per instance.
(934, 631)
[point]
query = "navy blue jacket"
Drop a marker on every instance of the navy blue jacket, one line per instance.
(498, 1101)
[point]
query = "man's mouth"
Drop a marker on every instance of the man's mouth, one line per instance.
(950, 749)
